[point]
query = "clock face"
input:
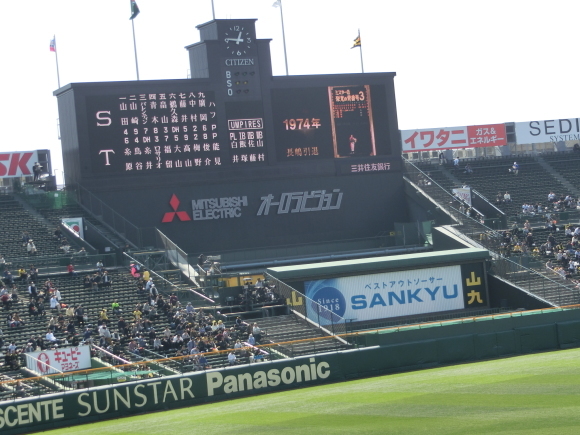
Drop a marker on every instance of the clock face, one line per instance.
(238, 40)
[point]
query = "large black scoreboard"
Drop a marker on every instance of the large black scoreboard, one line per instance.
(231, 123)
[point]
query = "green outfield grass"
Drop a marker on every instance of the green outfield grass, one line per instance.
(532, 394)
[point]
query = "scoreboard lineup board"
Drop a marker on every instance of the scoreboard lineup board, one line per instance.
(193, 155)
(186, 128)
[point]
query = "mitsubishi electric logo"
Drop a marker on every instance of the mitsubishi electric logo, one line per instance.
(218, 208)
(170, 215)
(232, 206)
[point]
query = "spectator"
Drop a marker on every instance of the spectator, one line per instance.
(65, 246)
(54, 304)
(103, 317)
(31, 247)
(51, 338)
(116, 307)
(106, 280)
(257, 332)
(71, 270)
(33, 273)
(105, 333)
(32, 290)
(82, 252)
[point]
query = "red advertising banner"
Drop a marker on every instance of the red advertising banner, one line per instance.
(492, 135)
(17, 164)
(453, 137)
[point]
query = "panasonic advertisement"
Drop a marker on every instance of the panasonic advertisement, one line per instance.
(385, 295)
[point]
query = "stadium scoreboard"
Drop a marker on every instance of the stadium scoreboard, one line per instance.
(232, 114)
(288, 159)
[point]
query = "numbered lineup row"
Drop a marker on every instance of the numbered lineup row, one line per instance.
(198, 162)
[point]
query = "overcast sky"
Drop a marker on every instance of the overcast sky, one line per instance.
(457, 62)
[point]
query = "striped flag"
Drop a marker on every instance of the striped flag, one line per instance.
(53, 44)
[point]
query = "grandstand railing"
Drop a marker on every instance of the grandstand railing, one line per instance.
(325, 319)
(116, 222)
(478, 234)
(257, 257)
(51, 264)
(166, 284)
(144, 368)
(177, 256)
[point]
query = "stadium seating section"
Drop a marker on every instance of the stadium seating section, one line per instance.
(538, 176)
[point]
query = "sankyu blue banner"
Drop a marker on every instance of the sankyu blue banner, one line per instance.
(384, 295)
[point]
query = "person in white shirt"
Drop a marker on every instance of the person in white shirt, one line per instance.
(50, 337)
(231, 358)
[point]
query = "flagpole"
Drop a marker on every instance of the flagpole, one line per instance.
(56, 54)
(361, 56)
(135, 48)
(278, 3)
(212, 10)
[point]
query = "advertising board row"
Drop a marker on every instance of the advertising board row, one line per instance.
(474, 136)
(419, 349)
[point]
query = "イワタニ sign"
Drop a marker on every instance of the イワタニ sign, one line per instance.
(472, 136)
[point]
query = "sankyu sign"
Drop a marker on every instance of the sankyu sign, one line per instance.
(17, 164)
(453, 137)
(64, 359)
(156, 394)
(551, 130)
(385, 295)
(233, 206)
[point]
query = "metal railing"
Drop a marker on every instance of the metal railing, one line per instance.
(178, 257)
(36, 386)
(325, 319)
(476, 233)
(115, 221)
(168, 284)
(50, 264)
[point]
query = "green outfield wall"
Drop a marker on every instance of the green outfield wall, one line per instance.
(387, 353)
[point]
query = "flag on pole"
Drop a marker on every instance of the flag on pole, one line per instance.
(277, 4)
(134, 9)
(53, 44)
(356, 42)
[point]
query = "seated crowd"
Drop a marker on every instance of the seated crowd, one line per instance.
(129, 332)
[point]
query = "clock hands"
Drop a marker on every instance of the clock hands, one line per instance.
(236, 40)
